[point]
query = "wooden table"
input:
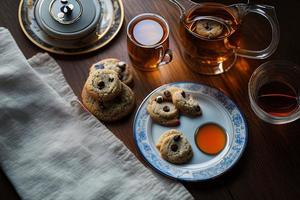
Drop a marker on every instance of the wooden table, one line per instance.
(270, 166)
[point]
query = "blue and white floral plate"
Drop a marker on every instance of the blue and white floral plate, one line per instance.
(217, 108)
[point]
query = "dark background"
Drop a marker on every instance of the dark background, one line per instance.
(270, 166)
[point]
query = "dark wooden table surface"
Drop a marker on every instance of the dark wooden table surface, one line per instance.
(270, 166)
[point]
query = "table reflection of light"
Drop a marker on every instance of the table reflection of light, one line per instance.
(233, 82)
(242, 66)
(241, 69)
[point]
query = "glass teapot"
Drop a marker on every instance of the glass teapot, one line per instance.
(209, 34)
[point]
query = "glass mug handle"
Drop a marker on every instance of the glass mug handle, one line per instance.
(164, 56)
(269, 13)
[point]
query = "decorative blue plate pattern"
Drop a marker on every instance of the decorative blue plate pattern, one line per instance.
(217, 108)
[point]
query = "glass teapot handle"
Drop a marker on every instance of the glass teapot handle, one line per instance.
(183, 5)
(269, 13)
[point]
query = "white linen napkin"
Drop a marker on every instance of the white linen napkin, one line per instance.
(50, 148)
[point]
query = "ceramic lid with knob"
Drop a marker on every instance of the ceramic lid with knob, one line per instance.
(68, 19)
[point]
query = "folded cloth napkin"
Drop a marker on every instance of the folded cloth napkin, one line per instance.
(50, 148)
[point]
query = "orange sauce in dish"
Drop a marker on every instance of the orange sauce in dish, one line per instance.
(211, 138)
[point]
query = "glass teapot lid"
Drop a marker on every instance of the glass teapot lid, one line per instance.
(67, 19)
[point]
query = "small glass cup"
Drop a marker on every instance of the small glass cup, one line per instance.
(148, 57)
(274, 92)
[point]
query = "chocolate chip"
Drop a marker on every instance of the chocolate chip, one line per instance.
(207, 26)
(111, 79)
(159, 99)
(101, 85)
(174, 147)
(183, 94)
(101, 106)
(99, 66)
(122, 65)
(167, 93)
(197, 108)
(166, 108)
(177, 138)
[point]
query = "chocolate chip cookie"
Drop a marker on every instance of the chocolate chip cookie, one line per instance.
(103, 85)
(162, 110)
(174, 147)
(113, 110)
(209, 28)
(116, 65)
(185, 103)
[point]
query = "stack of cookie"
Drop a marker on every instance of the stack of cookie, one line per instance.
(164, 107)
(105, 93)
(120, 67)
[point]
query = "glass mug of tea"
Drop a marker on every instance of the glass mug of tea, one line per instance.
(209, 34)
(274, 92)
(148, 41)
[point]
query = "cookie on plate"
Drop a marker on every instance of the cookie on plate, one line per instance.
(174, 147)
(116, 65)
(162, 110)
(113, 110)
(103, 85)
(165, 135)
(209, 28)
(185, 103)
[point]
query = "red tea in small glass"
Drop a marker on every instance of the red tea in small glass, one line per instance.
(274, 92)
(148, 41)
(277, 98)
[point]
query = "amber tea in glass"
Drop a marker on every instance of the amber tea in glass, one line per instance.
(277, 98)
(148, 41)
(274, 91)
